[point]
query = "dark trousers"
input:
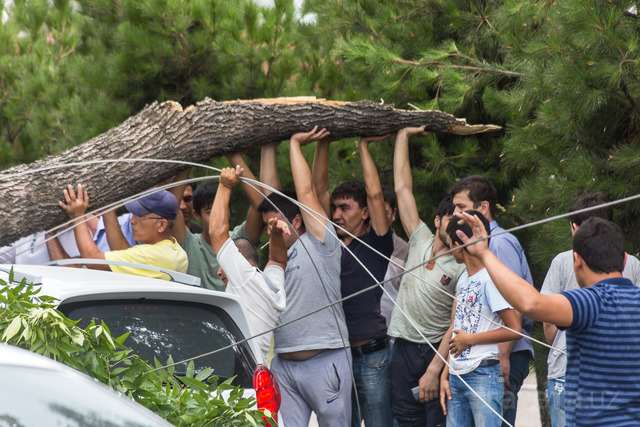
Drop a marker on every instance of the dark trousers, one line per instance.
(519, 362)
(409, 362)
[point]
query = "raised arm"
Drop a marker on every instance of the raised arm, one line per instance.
(253, 225)
(277, 247)
(76, 208)
(320, 175)
(179, 229)
(518, 292)
(219, 219)
(305, 190)
(403, 181)
(115, 237)
(269, 168)
(375, 201)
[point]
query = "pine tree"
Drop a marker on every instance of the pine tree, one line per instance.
(560, 77)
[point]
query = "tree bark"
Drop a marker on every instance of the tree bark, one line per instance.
(196, 134)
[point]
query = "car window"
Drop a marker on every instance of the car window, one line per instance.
(182, 330)
(34, 397)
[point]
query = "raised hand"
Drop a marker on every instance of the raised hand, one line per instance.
(278, 227)
(304, 138)
(230, 177)
(477, 227)
(75, 206)
(412, 131)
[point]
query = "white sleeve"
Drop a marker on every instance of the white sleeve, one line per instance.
(236, 267)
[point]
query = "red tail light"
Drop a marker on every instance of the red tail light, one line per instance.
(267, 391)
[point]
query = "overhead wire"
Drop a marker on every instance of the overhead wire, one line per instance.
(411, 321)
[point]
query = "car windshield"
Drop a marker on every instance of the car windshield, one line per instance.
(182, 330)
(34, 397)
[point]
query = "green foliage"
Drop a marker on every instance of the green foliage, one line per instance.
(31, 321)
(561, 77)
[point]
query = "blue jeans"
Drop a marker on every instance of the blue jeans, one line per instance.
(465, 409)
(373, 385)
(555, 395)
(517, 374)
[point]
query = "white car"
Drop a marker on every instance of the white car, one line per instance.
(164, 318)
(37, 391)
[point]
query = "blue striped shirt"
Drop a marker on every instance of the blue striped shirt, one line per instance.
(603, 355)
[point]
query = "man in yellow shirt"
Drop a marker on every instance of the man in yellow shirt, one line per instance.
(151, 224)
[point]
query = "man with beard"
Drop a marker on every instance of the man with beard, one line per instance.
(426, 296)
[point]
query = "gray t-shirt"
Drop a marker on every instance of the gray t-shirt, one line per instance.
(427, 298)
(312, 274)
(202, 258)
(560, 278)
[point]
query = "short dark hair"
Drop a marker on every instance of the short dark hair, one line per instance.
(453, 226)
(480, 188)
(204, 195)
(588, 200)
(446, 207)
(389, 196)
(277, 201)
(351, 190)
(600, 243)
(248, 250)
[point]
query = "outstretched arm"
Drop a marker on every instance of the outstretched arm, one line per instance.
(518, 292)
(254, 224)
(403, 181)
(219, 219)
(375, 201)
(179, 229)
(320, 175)
(305, 190)
(76, 208)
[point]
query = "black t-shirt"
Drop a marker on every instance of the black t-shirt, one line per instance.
(362, 312)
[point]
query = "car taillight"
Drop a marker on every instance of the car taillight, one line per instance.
(267, 391)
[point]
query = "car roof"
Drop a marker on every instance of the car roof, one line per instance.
(11, 356)
(71, 285)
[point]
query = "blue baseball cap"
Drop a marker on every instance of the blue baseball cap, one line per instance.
(161, 203)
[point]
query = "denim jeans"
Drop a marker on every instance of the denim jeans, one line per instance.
(373, 385)
(519, 362)
(555, 396)
(465, 409)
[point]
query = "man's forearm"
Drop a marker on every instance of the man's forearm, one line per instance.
(320, 175)
(550, 332)
(375, 201)
(86, 246)
(55, 249)
(269, 168)
(277, 249)
(437, 363)
(115, 237)
(219, 218)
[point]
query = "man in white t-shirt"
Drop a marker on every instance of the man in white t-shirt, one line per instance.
(261, 291)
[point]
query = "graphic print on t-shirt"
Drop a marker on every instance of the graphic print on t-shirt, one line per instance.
(468, 314)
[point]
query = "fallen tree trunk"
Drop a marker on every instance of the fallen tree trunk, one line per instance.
(196, 134)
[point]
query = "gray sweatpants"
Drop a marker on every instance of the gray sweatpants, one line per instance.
(321, 384)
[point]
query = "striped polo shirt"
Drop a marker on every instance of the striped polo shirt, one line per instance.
(603, 355)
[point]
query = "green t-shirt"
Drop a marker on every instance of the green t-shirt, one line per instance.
(427, 298)
(202, 258)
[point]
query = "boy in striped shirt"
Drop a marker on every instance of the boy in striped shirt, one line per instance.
(601, 318)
